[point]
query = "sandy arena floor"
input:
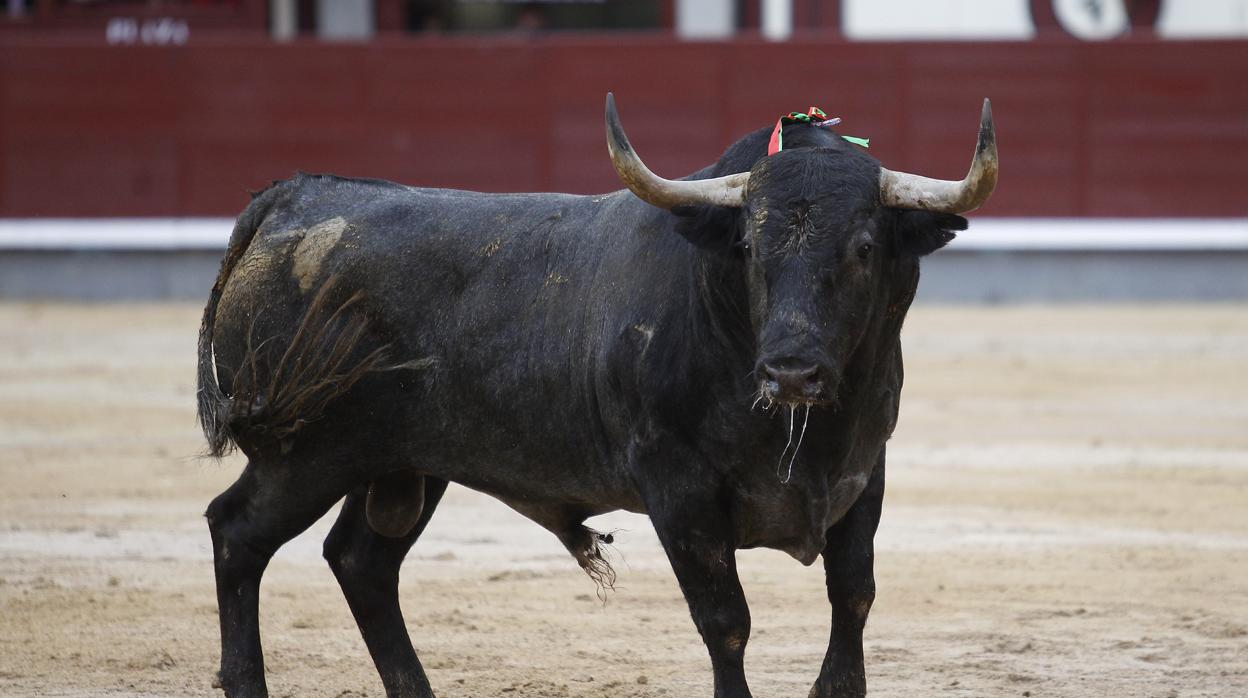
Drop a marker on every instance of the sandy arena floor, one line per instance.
(1067, 515)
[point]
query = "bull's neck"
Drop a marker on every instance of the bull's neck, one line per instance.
(719, 310)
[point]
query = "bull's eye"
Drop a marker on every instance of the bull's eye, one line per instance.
(864, 251)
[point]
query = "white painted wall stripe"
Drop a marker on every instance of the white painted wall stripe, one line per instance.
(1105, 234)
(115, 233)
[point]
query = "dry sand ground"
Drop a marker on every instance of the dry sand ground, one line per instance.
(1067, 515)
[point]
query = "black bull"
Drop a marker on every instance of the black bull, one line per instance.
(726, 361)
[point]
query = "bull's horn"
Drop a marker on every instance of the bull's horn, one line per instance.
(666, 193)
(903, 190)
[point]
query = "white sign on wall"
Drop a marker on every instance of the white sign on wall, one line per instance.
(162, 31)
(1011, 19)
(1092, 19)
(937, 19)
(1203, 19)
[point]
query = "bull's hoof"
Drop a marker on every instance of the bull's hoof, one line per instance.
(239, 689)
(839, 689)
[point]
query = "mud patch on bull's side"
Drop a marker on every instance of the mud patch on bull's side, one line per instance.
(256, 264)
(316, 244)
(259, 264)
(490, 249)
(760, 214)
(644, 335)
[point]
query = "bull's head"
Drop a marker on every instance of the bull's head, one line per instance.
(831, 240)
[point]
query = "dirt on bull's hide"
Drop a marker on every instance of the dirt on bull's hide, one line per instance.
(1064, 516)
(316, 244)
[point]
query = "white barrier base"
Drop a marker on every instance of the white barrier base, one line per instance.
(1005, 234)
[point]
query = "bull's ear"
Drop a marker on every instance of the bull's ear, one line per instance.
(924, 232)
(716, 228)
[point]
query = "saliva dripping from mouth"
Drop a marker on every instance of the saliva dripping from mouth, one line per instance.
(802, 435)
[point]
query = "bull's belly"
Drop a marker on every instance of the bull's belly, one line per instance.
(521, 476)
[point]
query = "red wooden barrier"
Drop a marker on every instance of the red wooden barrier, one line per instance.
(1124, 128)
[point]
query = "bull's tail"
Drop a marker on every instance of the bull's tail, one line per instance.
(214, 405)
(324, 358)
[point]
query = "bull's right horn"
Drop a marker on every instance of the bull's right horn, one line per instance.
(666, 193)
(904, 190)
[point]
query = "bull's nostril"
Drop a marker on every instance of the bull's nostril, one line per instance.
(800, 382)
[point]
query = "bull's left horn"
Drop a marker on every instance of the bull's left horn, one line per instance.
(666, 193)
(903, 190)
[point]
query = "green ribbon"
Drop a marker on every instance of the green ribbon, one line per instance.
(800, 116)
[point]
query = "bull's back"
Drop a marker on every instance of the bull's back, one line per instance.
(441, 255)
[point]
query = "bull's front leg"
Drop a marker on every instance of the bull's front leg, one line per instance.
(706, 567)
(848, 563)
(694, 527)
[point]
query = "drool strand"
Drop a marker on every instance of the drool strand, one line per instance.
(805, 421)
(792, 412)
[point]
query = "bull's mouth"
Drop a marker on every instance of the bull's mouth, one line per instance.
(769, 399)
(771, 394)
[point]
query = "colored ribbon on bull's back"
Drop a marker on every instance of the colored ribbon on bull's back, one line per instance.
(813, 116)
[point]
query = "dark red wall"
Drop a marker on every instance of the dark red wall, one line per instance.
(1126, 128)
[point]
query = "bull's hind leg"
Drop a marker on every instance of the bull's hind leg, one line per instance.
(366, 564)
(268, 505)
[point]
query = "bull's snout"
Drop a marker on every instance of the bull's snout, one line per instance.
(791, 382)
